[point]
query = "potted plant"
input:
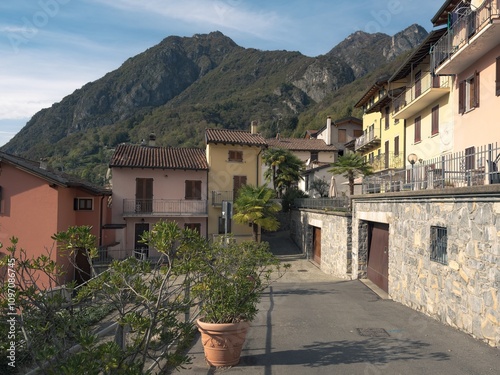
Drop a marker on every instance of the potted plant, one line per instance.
(233, 279)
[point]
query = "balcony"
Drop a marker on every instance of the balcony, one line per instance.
(474, 33)
(370, 139)
(387, 161)
(219, 196)
(419, 96)
(164, 207)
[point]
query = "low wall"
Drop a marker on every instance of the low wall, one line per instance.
(335, 238)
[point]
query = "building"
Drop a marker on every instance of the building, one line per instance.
(37, 202)
(153, 183)
(234, 160)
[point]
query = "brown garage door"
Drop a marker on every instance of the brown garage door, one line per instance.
(317, 245)
(378, 255)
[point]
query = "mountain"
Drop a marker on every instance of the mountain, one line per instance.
(183, 85)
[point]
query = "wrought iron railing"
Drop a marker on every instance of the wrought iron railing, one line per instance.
(168, 207)
(370, 135)
(427, 82)
(472, 167)
(388, 160)
(468, 23)
(219, 196)
(338, 203)
(106, 256)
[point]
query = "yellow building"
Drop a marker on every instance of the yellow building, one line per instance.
(234, 159)
(383, 136)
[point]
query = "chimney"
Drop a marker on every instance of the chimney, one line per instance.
(43, 163)
(328, 140)
(152, 140)
(278, 136)
(253, 127)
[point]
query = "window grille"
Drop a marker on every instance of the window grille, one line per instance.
(439, 239)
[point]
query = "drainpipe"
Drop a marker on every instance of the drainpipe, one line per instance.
(206, 220)
(100, 220)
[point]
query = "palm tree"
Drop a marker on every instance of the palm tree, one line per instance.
(254, 206)
(351, 165)
(284, 169)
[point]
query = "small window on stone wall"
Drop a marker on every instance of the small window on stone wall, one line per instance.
(439, 239)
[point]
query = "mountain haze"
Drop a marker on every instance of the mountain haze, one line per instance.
(183, 85)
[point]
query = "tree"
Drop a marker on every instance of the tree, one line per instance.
(254, 206)
(351, 165)
(320, 186)
(284, 169)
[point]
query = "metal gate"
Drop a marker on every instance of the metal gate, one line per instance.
(378, 255)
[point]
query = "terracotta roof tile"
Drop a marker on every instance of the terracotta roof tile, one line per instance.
(235, 137)
(300, 144)
(136, 156)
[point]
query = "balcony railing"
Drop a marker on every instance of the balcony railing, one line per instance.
(428, 84)
(369, 138)
(219, 196)
(164, 207)
(387, 161)
(474, 167)
(335, 204)
(463, 30)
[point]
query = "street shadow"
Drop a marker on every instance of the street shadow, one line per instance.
(376, 351)
(281, 244)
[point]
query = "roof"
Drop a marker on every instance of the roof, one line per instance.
(300, 144)
(343, 121)
(371, 91)
(138, 156)
(52, 176)
(441, 17)
(385, 100)
(418, 55)
(234, 137)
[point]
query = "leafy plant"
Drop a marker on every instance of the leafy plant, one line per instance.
(283, 169)
(351, 165)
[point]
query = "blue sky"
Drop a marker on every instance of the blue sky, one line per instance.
(50, 48)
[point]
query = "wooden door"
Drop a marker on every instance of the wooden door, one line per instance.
(378, 255)
(317, 245)
(144, 195)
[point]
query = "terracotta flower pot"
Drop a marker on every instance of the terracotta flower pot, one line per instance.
(222, 343)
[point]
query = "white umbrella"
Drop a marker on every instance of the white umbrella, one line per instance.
(333, 188)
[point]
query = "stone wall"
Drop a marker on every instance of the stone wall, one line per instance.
(336, 242)
(464, 292)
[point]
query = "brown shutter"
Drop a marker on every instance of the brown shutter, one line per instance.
(435, 120)
(498, 77)
(418, 137)
(461, 97)
(396, 145)
(476, 89)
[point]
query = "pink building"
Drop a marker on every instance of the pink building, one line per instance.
(36, 203)
(156, 183)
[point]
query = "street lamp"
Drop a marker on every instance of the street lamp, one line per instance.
(412, 159)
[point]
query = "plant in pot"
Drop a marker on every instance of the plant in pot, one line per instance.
(233, 277)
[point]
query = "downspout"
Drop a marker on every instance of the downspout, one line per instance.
(257, 185)
(100, 220)
(206, 219)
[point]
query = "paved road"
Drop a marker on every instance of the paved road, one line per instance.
(313, 323)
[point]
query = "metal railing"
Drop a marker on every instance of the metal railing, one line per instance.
(472, 167)
(338, 203)
(372, 134)
(388, 160)
(219, 196)
(106, 256)
(170, 207)
(417, 90)
(463, 29)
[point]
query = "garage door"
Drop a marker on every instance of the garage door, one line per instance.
(378, 255)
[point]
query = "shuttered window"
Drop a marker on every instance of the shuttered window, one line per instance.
(144, 194)
(461, 97)
(238, 182)
(435, 120)
(468, 93)
(396, 146)
(193, 190)
(418, 136)
(470, 158)
(235, 155)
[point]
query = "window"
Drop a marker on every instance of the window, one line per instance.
(342, 135)
(193, 226)
(396, 145)
(83, 204)
(469, 158)
(1, 206)
(386, 117)
(468, 94)
(435, 120)
(314, 155)
(306, 182)
(238, 182)
(193, 190)
(235, 156)
(497, 82)
(418, 136)
(144, 195)
(439, 239)
(358, 133)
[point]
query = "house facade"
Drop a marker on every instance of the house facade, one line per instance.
(153, 183)
(340, 132)
(36, 203)
(234, 160)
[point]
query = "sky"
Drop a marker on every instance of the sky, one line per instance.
(50, 48)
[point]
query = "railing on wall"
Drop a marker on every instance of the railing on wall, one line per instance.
(472, 167)
(337, 203)
(219, 196)
(170, 207)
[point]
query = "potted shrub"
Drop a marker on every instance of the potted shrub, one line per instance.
(233, 279)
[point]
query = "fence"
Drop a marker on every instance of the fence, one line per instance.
(339, 203)
(174, 207)
(472, 167)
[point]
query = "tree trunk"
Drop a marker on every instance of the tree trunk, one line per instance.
(255, 230)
